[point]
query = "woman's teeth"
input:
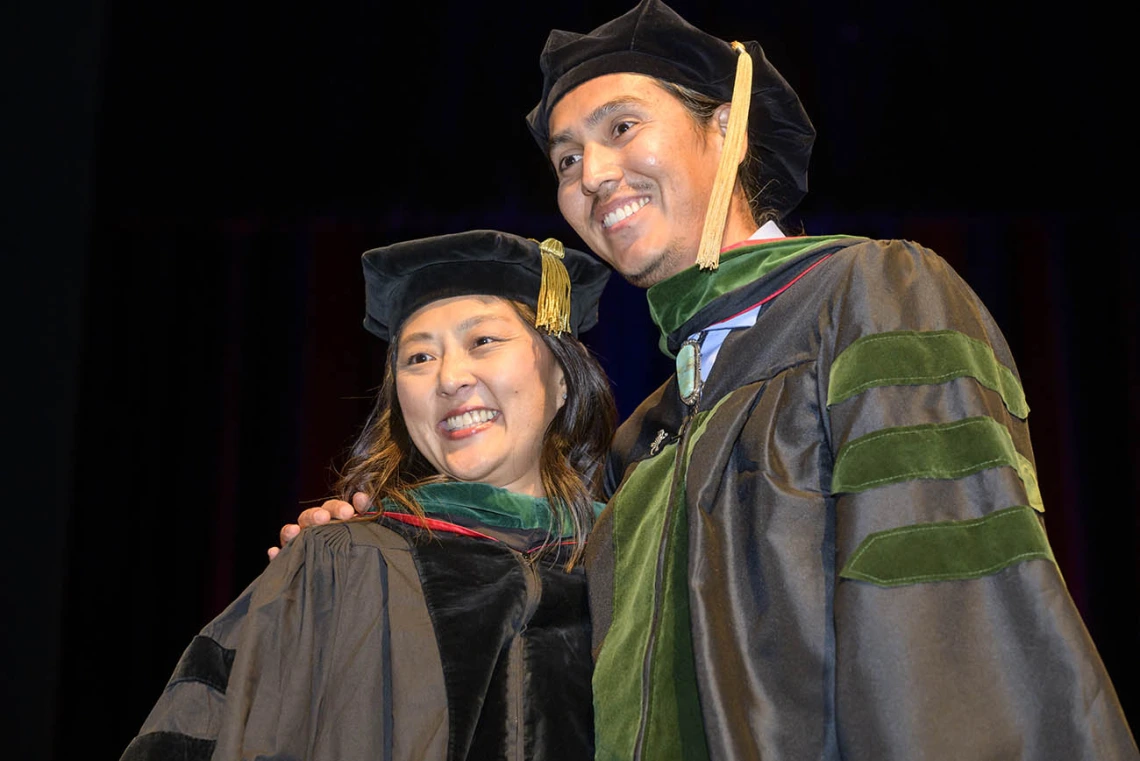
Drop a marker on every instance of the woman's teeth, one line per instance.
(468, 419)
(617, 215)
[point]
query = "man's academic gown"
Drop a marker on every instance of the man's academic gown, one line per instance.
(837, 551)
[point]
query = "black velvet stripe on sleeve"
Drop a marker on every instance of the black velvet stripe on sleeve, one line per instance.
(205, 661)
(168, 746)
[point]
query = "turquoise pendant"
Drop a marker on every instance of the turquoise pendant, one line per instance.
(689, 372)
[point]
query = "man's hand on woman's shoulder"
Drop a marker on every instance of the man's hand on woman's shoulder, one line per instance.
(331, 510)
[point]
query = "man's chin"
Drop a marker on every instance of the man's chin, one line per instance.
(654, 268)
(650, 275)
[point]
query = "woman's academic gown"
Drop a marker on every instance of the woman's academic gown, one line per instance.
(383, 640)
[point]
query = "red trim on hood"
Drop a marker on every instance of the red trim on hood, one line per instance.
(769, 297)
(755, 241)
(435, 524)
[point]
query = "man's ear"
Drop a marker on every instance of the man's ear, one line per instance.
(720, 116)
(720, 119)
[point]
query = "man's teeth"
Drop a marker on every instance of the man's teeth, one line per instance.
(617, 215)
(468, 419)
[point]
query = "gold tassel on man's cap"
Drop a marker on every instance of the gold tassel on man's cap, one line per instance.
(735, 138)
(553, 311)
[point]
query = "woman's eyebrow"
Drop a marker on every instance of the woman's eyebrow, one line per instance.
(462, 326)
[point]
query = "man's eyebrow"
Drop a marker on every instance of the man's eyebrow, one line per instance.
(596, 117)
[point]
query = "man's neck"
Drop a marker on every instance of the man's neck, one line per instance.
(739, 223)
(767, 231)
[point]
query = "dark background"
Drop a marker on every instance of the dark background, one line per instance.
(189, 187)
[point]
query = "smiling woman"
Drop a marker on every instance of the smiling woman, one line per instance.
(478, 390)
(485, 326)
(452, 623)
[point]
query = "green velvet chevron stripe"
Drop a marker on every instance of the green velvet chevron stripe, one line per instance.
(951, 550)
(911, 358)
(938, 450)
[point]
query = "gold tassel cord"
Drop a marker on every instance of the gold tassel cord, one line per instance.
(708, 254)
(553, 311)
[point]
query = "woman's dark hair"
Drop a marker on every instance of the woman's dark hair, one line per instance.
(701, 108)
(385, 464)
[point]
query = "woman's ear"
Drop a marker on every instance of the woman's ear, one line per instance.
(562, 392)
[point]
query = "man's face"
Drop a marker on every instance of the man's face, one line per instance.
(634, 174)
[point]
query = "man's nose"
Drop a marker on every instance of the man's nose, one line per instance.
(599, 167)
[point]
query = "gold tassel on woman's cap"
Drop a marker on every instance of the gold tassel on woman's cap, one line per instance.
(708, 255)
(553, 311)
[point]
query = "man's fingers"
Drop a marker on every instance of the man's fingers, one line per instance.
(339, 509)
(333, 509)
(314, 516)
(361, 503)
(288, 531)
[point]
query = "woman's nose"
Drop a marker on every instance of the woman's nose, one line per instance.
(455, 374)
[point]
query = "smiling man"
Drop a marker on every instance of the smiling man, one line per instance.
(824, 538)
(635, 176)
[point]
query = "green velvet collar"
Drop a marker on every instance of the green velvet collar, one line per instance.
(674, 300)
(487, 504)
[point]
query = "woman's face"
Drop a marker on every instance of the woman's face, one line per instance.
(478, 389)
